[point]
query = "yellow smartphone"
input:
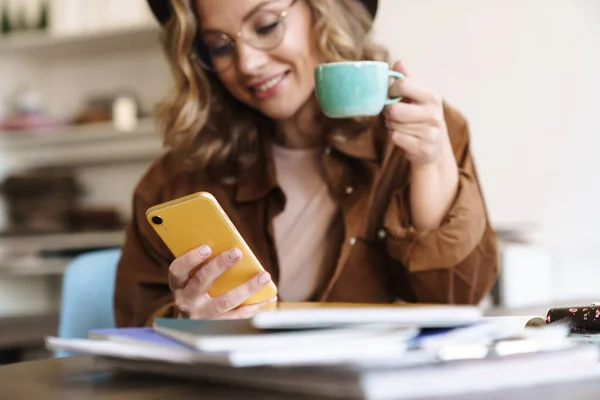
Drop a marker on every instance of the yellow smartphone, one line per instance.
(191, 221)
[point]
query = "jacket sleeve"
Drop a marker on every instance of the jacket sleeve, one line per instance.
(142, 289)
(458, 261)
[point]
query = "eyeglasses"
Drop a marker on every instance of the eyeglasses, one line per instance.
(264, 30)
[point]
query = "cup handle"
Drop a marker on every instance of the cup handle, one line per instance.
(397, 75)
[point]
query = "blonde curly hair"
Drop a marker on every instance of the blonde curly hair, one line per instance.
(211, 129)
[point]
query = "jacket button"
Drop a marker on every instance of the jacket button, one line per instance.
(382, 234)
(328, 150)
(352, 241)
(349, 190)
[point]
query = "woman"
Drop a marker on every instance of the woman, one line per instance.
(375, 209)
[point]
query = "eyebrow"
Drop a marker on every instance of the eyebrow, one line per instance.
(248, 15)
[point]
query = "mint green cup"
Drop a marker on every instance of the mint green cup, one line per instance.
(354, 88)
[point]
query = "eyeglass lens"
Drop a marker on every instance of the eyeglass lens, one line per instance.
(263, 31)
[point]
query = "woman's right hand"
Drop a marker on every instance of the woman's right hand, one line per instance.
(191, 295)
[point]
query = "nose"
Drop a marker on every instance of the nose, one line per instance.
(250, 61)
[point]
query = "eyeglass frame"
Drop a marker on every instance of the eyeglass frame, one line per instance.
(199, 44)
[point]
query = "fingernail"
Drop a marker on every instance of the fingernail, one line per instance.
(234, 254)
(264, 278)
(204, 250)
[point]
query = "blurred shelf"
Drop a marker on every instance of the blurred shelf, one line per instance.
(27, 330)
(43, 44)
(88, 144)
(72, 134)
(22, 255)
(33, 244)
(33, 266)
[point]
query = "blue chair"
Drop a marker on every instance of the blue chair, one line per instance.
(88, 287)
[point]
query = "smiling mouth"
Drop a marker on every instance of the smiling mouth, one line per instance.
(267, 87)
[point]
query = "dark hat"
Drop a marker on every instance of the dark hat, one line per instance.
(162, 8)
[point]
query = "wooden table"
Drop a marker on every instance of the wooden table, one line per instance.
(79, 378)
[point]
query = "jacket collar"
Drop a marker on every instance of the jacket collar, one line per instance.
(363, 145)
(367, 144)
(261, 178)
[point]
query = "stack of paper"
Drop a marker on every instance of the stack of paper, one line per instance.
(393, 381)
(285, 334)
(348, 351)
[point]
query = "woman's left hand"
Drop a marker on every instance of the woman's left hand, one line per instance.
(417, 126)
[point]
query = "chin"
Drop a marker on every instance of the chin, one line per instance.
(279, 111)
(285, 106)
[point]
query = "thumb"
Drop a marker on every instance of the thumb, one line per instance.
(400, 67)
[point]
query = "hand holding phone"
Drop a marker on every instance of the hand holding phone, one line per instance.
(215, 271)
(191, 292)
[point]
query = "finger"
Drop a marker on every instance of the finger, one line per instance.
(406, 112)
(232, 299)
(417, 130)
(412, 89)
(405, 129)
(250, 311)
(400, 67)
(180, 269)
(203, 279)
(410, 144)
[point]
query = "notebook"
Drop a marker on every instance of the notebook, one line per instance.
(146, 344)
(320, 315)
(350, 351)
(144, 335)
(242, 335)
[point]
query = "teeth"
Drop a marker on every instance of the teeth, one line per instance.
(269, 84)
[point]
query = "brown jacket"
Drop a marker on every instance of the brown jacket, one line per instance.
(382, 259)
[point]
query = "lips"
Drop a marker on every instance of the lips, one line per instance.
(268, 87)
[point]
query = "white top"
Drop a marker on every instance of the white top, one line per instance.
(307, 225)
